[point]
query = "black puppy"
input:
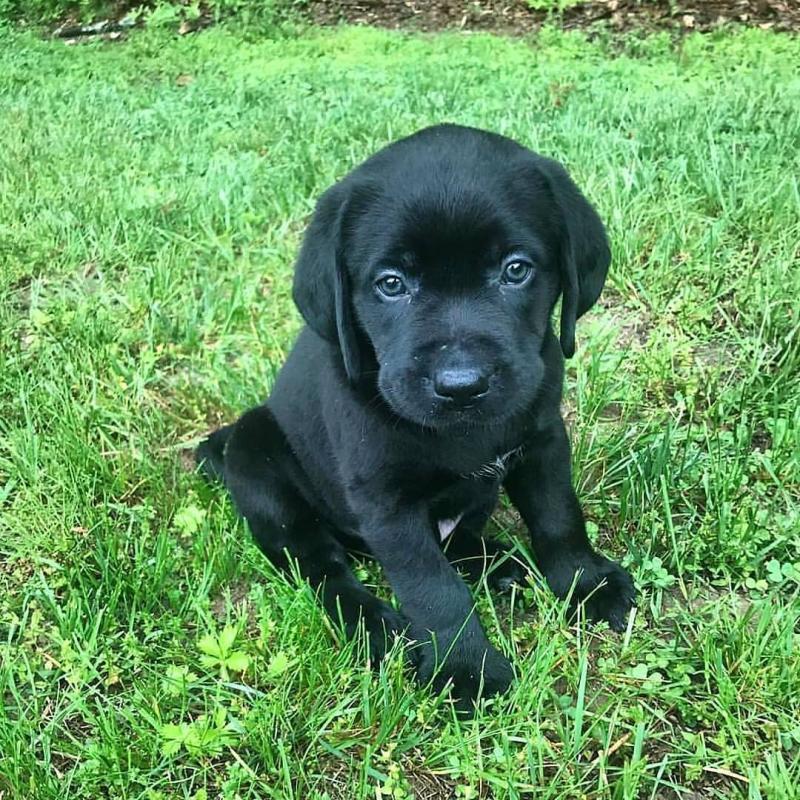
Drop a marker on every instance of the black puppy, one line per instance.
(429, 376)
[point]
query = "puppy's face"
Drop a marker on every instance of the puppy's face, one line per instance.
(443, 256)
(453, 286)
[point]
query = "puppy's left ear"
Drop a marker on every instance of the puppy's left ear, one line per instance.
(320, 289)
(584, 252)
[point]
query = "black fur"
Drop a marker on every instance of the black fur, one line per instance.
(396, 413)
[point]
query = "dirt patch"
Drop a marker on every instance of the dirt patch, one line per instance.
(20, 294)
(336, 780)
(338, 776)
(632, 327)
(186, 460)
(714, 355)
(518, 17)
(511, 17)
(703, 600)
(430, 786)
(232, 595)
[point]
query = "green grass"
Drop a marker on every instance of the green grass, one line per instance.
(552, 5)
(152, 196)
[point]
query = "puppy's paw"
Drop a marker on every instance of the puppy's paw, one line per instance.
(505, 574)
(604, 587)
(482, 556)
(613, 596)
(472, 670)
(382, 625)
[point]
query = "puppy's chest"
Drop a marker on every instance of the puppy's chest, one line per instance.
(470, 491)
(496, 468)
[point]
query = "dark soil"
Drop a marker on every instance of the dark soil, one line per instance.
(517, 16)
(513, 17)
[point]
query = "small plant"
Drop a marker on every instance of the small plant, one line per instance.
(552, 5)
(163, 15)
(204, 736)
(189, 520)
(177, 680)
(779, 573)
(219, 652)
(278, 664)
(653, 573)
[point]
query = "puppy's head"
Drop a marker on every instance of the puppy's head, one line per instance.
(437, 263)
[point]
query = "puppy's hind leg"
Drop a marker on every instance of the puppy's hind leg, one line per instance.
(262, 475)
(473, 553)
(210, 454)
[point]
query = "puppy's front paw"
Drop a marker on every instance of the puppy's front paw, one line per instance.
(473, 668)
(613, 596)
(604, 587)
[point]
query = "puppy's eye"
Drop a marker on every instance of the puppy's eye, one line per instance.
(517, 272)
(391, 286)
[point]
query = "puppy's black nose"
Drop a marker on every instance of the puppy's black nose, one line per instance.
(461, 384)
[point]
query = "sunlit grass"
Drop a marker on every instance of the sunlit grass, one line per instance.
(152, 196)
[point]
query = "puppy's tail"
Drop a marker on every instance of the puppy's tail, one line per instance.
(210, 454)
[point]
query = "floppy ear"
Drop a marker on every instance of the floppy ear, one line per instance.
(584, 252)
(320, 289)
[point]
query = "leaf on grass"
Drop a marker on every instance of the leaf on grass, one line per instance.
(174, 737)
(39, 318)
(237, 661)
(227, 639)
(209, 645)
(639, 672)
(278, 664)
(188, 520)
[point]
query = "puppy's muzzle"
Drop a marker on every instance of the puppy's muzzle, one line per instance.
(460, 385)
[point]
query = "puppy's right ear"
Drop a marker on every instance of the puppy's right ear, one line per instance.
(320, 290)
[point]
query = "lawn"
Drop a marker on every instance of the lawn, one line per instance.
(152, 197)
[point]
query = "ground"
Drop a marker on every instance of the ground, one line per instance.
(152, 196)
(522, 16)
